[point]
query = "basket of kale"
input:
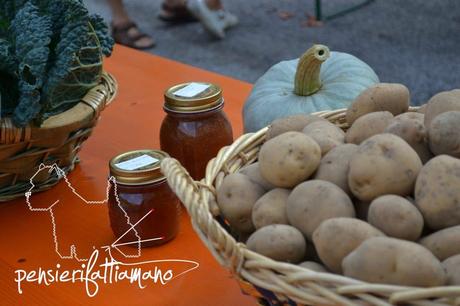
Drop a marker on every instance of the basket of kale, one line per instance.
(52, 88)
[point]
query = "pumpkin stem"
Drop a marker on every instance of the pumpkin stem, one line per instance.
(307, 80)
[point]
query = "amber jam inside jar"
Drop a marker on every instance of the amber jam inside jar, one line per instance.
(140, 195)
(195, 127)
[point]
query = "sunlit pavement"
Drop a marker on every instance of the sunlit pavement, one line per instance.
(411, 42)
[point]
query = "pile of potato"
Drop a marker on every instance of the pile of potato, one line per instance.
(379, 202)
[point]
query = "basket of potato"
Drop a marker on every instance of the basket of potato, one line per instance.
(359, 206)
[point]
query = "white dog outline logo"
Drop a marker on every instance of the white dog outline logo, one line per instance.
(73, 252)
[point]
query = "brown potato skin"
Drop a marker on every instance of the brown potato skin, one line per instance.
(419, 117)
(394, 261)
(326, 134)
(236, 196)
(279, 242)
(444, 134)
(383, 164)
(452, 267)
(413, 131)
(289, 159)
(271, 208)
(442, 102)
(437, 192)
(367, 126)
(253, 172)
(422, 108)
(444, 243)
(294, 123)
(314, 266)
(335, 238)
(390, 97)
(396, 217)
(335, 164)
(314, 201)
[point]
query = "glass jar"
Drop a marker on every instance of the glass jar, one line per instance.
(141, 201)
(195, 127)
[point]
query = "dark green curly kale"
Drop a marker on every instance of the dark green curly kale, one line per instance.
(50, 55)
(8, 78)
(31, 34)
(101, 29)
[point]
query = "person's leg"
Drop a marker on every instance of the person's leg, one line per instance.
(214, 5)
(124, 30)
(175, 11)
(119, 14)
(212, 15)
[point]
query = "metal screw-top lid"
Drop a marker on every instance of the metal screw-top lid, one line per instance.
(138, 167)
(192, 97)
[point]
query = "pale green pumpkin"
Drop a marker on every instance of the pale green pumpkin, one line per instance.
(319, 80)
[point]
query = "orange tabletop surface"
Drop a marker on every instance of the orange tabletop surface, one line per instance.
(131, 122)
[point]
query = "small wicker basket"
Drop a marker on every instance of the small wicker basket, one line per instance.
(56, 141)
(273, 282)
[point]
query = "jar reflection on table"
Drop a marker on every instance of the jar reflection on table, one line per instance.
(195, 128)
(142, 195)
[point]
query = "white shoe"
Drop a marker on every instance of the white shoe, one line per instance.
(215, 22)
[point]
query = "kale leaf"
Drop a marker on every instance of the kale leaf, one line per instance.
(31, 52)
(8, 78)
(101, 30)
(51, 54)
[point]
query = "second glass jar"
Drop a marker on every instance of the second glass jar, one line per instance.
(195, 127)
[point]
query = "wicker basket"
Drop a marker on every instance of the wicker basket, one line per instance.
(273, 282)
(56, 141)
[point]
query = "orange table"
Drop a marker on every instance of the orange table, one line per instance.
(131, 122)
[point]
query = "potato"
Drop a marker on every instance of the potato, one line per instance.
(452, 267)
(444, 243)
(236, 196)
(314, 266)
(335, 238)
(383, 164)
(422, 108)
(271, 208)
(396, 217)
(419, 117)
(368, 126)
(326, 134)
(294, 123)
(279, 242)
(335, 164)
(253, 172)
(444, 134)
(413, 131)
(437, 192)
(394, 261)
(312, 202)
(380, 97)
(442, 102)
(289, 159)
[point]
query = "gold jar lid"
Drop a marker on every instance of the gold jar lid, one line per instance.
(137, 167)
(193, 97)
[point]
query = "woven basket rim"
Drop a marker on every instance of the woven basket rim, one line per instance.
(69, 128)
(108, 83)
(107, 80)
(290, 281)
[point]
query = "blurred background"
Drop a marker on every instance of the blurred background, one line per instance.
(416, 42)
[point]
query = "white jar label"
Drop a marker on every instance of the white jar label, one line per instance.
(191, 90)
(137, 162)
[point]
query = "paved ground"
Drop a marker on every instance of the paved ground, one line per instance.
(415, 42)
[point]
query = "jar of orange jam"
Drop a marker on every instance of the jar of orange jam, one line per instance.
(195, 127)
(141, 205)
